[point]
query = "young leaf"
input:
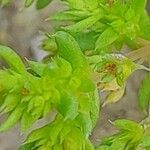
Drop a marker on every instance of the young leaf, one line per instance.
(37, 135)
(37, 67)
(28, 3)
(145, 141)
(84, 24)
(7, 81)
(76, 4)
(74, 140)
(128, 125)
(26, 147)
(4, 2)
(91, 4)
(68, 106)
(86, 40)
(65, 68)
(95, 106)
(114, 96)
(72, 15)
(84, 122)
(42, 3)
(144, 93)
(118, 145)
(145, 26)
(26, 121)
(12, 119)
(104, 148)
(10, 102)
(62, 16)
(106, 38)
(69, 49)
(12, 59)
(138, 6)
(87, 84)
(89, 145)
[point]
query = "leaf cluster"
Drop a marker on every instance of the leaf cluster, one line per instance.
(131, 136)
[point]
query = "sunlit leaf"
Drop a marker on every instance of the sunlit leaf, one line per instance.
(144, 93)
(42, 3)
(12, 59)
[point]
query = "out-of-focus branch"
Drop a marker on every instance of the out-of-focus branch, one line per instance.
(141, 53)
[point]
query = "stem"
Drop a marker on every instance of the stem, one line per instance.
(141, 67)
(140, 53)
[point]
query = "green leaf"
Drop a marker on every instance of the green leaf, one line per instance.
(144, 93)
(95, 106)
(26, 147)
(12, 119)
(106, 38)
(49, 44)
(84, 24)
(118, 145)
(145, 141)
(114, 96)
(58, 147)
(68, 106)
(62, 16)
(119, 44)
(26, 121)
(55, 129)
(48, 133)
(59, 68)
(86, 40)
(127, 125)
(4, 2)
(37, 135)
(37, 67)
(65, 131)
(65, 69)
(76, 4)
(84, 122)
(72, 15)
(7, 81)
(70, 50)
(145, 26)
(28, 3)
(130, 14)
(47, 108)
(91, 4)
(104, 148)
(42, 3)
(138, 6)
(12, 59)
(74, 140)
(10, 102)
(89, 145)
(87, 85)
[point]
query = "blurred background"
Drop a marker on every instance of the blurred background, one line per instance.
(22, 29)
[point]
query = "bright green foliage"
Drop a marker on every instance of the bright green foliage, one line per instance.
(39, 3)
(115, 23)
(145, 143)
(42, 3)
(128, 137)
(28, 2)
(59, 135)
(113, 70)
(57, 84)
(144, 93)
(17, 64)
(68, 80)
(4, 2)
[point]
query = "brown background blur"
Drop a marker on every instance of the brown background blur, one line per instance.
(22, 29)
